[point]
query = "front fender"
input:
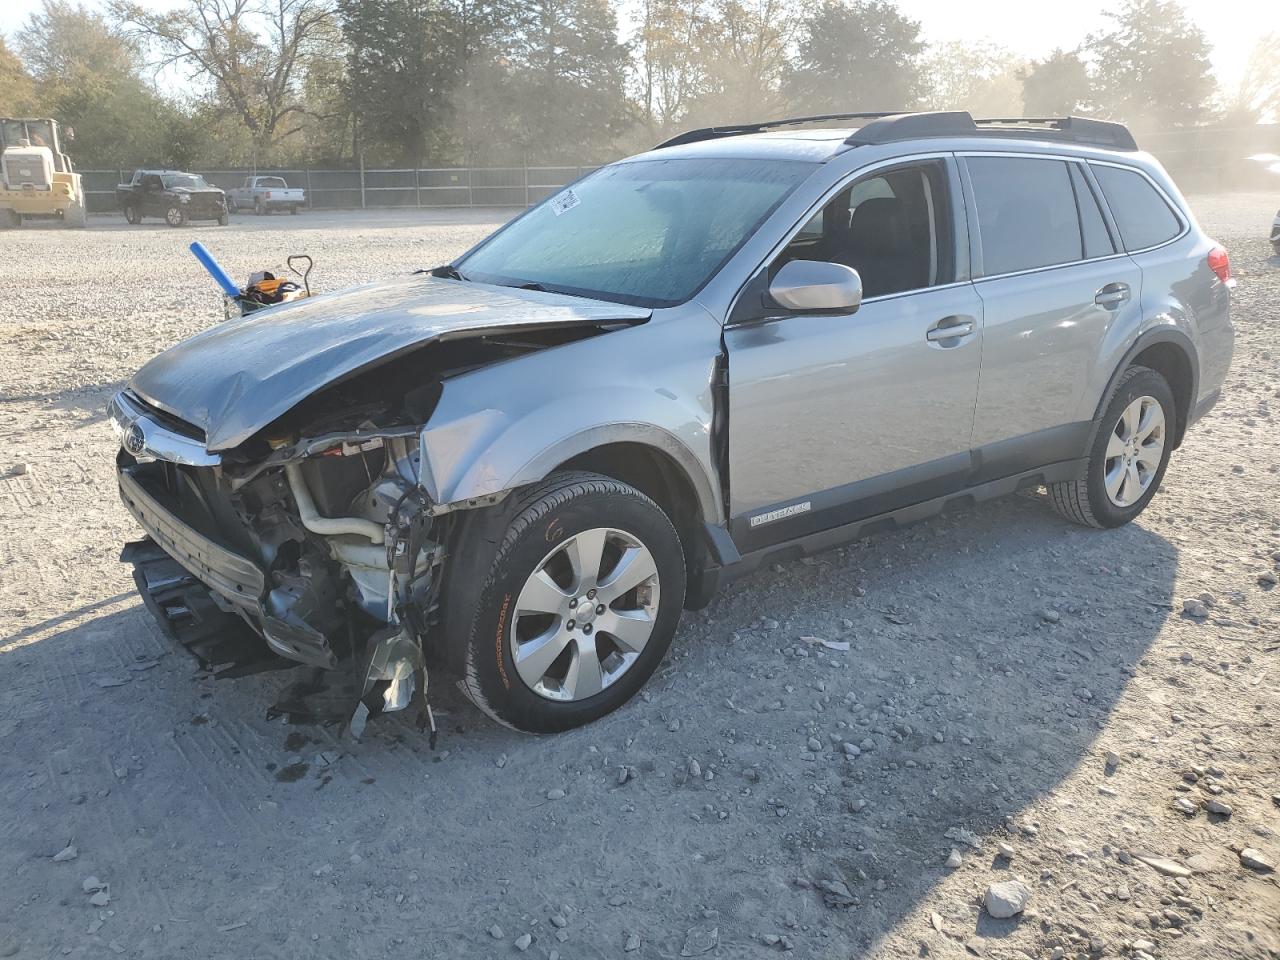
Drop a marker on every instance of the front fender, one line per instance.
(509, 425)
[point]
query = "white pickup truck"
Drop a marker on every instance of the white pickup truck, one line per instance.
(264, 194)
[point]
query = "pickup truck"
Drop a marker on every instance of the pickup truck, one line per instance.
(264, 194)
(175, 196)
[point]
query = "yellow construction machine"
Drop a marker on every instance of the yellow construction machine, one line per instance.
(37, 181)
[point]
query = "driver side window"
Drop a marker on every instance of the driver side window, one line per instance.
(894, 227)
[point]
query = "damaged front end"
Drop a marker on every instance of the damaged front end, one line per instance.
(324, 553)
(278, 464)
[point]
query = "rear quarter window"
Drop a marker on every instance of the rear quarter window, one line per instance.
(1142, 214)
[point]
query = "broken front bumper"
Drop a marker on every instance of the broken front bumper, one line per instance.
(236, 579)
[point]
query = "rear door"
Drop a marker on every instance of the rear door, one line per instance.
(1055, 285)
(835, 418)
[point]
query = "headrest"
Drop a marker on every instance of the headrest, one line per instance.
(879, 225)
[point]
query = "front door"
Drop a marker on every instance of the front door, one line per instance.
(153, 204)
(833, 419)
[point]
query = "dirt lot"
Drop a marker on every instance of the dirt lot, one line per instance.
(996, 657)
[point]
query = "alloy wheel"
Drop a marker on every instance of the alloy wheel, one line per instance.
(585, 614)
(1134, 451)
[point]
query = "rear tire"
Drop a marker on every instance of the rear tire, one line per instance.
(571, 668)
(258, 208)
(132, 215)
(293, 210)
(10, 219)
(1140, 415)
(223, 220)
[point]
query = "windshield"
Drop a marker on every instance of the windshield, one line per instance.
(184, 181)
(648, 232)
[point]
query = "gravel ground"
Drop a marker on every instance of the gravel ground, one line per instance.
(1025, 693)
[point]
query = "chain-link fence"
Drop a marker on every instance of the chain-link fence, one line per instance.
(1199, 158)
(376, 189)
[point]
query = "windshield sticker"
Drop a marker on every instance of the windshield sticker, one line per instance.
(563, 202)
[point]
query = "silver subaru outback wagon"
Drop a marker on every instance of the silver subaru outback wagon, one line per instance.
(520, 467)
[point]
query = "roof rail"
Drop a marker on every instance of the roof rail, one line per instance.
(959, 123)
(739, 129)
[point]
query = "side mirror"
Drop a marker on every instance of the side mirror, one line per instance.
(817, 285)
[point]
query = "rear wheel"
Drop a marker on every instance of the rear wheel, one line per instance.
(258, 208)
(294, 209)
(223, 219)
(10, 219)
(132, 214)
(582, 598)
(1132, 441)
(175, 216)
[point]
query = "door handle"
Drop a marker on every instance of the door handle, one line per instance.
(1112, 295)
(949, 328)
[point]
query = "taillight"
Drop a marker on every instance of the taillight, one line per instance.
(1220, 264)
(1224, 253)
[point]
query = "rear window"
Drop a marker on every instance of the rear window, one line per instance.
(1026, 213)
(273, 183)
(1143, 216)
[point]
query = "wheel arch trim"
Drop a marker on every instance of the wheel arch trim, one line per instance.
(1154, 337)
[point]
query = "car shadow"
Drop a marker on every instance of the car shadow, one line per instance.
(987, 649)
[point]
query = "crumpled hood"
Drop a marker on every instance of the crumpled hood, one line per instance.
(235, 378)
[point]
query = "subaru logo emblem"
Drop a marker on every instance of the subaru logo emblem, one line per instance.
(134, 439)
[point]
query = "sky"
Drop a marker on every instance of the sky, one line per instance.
(1030, 28)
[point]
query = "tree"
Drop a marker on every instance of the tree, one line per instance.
(566, 74)
(753, 40)
(1057, 86)
(675, 49)
(88, 75)
(1152, 65)
(17, 89)
(859, 55)
(979, 78)
(250, 53)
(1259, 93)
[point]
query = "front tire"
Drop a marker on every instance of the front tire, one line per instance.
(175, 216)
(582, 596)
(1133, 439)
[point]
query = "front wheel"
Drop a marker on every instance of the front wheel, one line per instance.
(581, 600)
(1132, 441)
(175, 216)
(10, 219)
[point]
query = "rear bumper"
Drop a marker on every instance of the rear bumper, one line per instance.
(235, 578)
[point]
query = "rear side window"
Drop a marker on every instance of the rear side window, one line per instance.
(1026, 213)
(1143, 216)
(1097, 239)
